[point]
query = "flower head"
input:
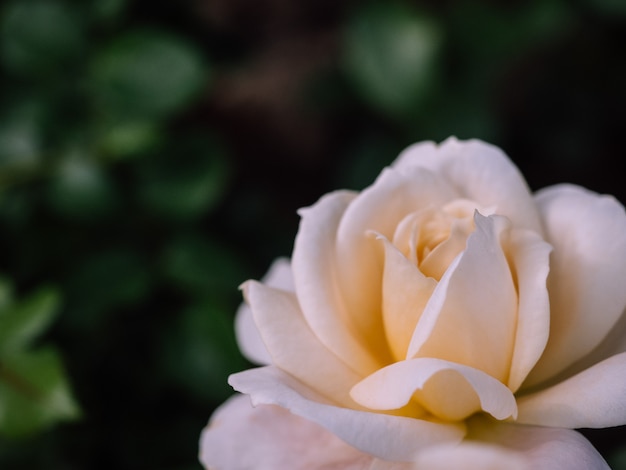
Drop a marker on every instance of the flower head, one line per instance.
(444, 314)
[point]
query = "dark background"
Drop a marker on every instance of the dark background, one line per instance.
(153, 155)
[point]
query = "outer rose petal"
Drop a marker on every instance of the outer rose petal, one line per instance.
(268, 437)
(315, 274)
(393, 438)
(544, 448)
(594, 398)
(450, 391)
(472, 456)
(480, 172)
(248, 337)
(587, 273)
(293, 346)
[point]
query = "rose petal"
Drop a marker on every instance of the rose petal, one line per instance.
(293, 346)
(543, 448)
(405, 294)
(269, 437)
(587, 273)
(248, 337)
(530, 262)
(480, 172)
(593, 398)
(393, 438)
(379, 208)
(471, 317)
(315, 274)
(450, 391)
(472, 456)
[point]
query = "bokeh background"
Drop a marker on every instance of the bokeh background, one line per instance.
(153, 155)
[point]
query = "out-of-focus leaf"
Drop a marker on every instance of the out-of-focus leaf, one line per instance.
(105, 281)
(20, 139)
(38, 35)
(146, 74)
(391, 54)
(34, 392)
(185, 181)
(200, 266)
(23, 321)
(127, 139)
(202, 352)
(80, 188)
(609, 7)
(107, 10)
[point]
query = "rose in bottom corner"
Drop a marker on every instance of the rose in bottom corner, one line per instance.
(444, 317)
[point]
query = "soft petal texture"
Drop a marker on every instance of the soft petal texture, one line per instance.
(594, 398)
(294, 348)
(450, 391)
(248, 337)
(480, 172)
(543, 448)
(530, 263)
(379, 208)
(405, 294)
(587, 276)
(315, 275)
(393, 438)
(472, 456)
(240, 437)
(472, 314)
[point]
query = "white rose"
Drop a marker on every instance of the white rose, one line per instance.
(444, 317)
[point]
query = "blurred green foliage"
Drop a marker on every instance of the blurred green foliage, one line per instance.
(153, 154)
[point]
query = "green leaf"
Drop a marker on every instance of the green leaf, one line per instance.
(201, 351)
(127, 139)
(38, 35)
(80, 188)
(391, 54)
(146, 74)
(199, 265)
(22, 322)
(34, 392)
(185, 181)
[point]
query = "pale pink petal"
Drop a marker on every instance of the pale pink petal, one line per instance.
(472, 314)
(269, 437)
(587, 273)
(315, 274)
(294, 348)
(480, 172)
(594, 398)
(379, 208)
(543, 448)
(248, 337)
(472, 456)
(449, 391)
(530, 260)
(393, 438)
(405, 294)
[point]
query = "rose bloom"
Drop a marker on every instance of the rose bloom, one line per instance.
(442, 318)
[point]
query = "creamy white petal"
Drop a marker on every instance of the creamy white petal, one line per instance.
(393, 438)
(248, 338)
(594, 398)
(294, 348)
(543, 448)
(449, 391)
(480, 172)
(529, 257)
(471, 316)
(587, 273)
(315, 267)
(269, 437)
(379, 208)
(405, 294)
(472, 456)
